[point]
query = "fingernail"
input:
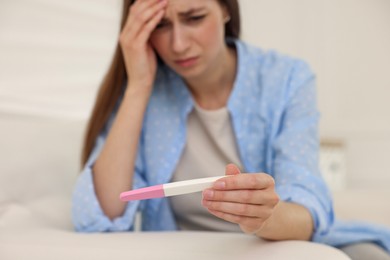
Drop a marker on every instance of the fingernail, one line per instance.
(220, 185)
(209, 194)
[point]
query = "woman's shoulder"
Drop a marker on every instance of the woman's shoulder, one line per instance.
(270, 75)
(270, 60)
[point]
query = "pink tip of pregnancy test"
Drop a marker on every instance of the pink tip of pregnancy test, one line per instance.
(144, 193)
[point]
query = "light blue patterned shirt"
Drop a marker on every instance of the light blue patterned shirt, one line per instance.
(274, 115)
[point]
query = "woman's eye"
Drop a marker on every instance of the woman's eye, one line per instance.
(197, 18)
(160, 25)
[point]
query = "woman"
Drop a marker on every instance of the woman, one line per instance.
(184, 98)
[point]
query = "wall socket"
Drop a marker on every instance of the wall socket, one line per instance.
(333, 163)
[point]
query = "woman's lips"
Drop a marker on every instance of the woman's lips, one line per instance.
(186, 62)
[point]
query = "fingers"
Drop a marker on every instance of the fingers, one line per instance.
(245, 182)
(143, 17)
(150, 26)
(250, 217)
(244, 199)
(232, 169)
(239, 209)
(247, 224)
(258, 197)
(139, 8)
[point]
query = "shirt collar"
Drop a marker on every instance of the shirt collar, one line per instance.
(241, 88)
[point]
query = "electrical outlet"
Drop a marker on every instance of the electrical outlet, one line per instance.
(333, 163)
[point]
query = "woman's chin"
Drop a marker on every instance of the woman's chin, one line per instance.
(189, 73)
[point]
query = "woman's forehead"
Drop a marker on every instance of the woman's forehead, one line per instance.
(183, 6)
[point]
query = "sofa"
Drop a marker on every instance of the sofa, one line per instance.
(39, 165)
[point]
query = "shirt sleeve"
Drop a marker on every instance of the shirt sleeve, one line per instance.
(87, 214)
(296, 151)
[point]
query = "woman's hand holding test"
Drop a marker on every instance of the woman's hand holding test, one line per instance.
(250, 200)
(245, 199)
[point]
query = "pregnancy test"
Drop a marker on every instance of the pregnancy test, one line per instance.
(169, 189)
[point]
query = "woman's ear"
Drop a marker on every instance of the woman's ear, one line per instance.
(225, 13)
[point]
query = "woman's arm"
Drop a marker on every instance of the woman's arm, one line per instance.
(114, 168)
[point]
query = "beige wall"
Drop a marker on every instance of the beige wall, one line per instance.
(347, 42)
(53, 54)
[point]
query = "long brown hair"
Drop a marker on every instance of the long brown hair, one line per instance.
(111, 87)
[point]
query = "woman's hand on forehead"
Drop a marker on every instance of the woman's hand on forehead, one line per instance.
(140, 59)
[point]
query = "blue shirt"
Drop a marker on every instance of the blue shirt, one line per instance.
(274, 115)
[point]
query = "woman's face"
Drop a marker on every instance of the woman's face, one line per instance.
(190, 37)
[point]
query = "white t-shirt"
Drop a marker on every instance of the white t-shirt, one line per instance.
(209, 148)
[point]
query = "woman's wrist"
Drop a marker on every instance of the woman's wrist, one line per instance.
(288, 221)
(140, 91)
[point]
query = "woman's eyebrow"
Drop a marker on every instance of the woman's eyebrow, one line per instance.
(187, 13)
(191, 11)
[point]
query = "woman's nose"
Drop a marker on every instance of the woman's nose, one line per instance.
(180, 41)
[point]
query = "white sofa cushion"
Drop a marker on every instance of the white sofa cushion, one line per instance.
(39, 165)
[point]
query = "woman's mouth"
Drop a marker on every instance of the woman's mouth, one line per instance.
(187, 62)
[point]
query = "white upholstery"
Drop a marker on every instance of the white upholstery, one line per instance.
(62, 244)
(39, 164)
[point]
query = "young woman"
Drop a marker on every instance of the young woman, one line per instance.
(185, 98)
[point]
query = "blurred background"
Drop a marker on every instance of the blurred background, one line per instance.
(347, 43)
(54, 54)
